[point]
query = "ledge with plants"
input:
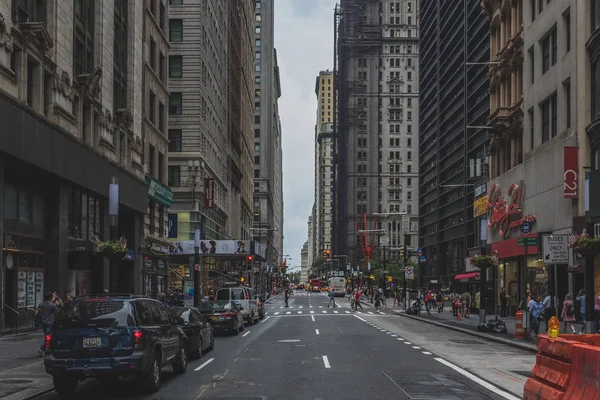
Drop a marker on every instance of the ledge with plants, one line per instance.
(587, 246)
(484, 260)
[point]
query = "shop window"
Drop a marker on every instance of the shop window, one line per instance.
(11, 205)
(85, 214)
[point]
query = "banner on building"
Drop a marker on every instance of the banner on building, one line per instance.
(571, 176)
(209, 193)
(217, 248)
(480, 206)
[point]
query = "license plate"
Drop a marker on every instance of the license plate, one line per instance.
(92, 342)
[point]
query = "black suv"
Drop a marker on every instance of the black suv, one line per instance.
(113, 336)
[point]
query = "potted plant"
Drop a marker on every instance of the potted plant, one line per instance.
(483, 261)
(112, 249)
(587, 246)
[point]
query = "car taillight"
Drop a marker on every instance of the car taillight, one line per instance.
(260, 303)
(138, 342)
(47, 340)
(229, 315)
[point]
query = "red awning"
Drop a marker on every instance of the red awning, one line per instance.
(466, 276)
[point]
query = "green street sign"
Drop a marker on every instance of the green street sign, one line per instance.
(530, 242)
(158, 192)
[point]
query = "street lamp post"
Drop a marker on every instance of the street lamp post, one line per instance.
(197, 273)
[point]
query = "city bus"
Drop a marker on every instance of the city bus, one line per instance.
(339, 285)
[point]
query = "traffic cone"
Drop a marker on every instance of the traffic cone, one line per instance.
(458, 315)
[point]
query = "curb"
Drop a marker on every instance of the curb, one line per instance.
(523, 346)
(39, 394)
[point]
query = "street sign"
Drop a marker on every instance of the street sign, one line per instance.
(409, 273)
(526, 227)
(423, 258)
(530, 242)
(405, 223)
(555, 249)
(419, 251)
(384, 241)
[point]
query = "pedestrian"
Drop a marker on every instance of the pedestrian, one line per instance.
(287, 297)
(357, 301)
(439, 298)
(568, 314)
(331, 298)
(46, 310)
(503, 301)
(549, 305)
(535, 310)
(467, 304)
(581, 300)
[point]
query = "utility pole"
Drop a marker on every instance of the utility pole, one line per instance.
(405, 260)
(196, 273)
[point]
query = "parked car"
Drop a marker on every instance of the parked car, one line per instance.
(113, 336)
(260, 302)
(224, 316)
(200, 334)
(241, 295)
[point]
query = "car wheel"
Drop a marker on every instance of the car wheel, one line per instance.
(212, 342)
(180, 364)
(236, 330)
(65, 384)
(152, 379)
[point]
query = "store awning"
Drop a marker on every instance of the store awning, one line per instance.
(466, 276)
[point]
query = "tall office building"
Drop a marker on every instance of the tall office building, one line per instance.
(198, 117)
(71, 78)
(268, 170)
(324, 89)
(453, 153)
(377, 131)
(304, 266)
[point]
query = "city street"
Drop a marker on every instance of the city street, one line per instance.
(310, 351)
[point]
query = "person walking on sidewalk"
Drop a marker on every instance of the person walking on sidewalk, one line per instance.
(357, 300)
(46, 310)
(568, 314)
(503, 300)
(287, 297)
(535, 310)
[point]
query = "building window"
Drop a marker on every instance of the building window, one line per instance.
(532, 10)
(151, 161)
(545, 108)
(161, 220)
(176, 30)
(174, 176)
(257, 133)
(120, 56)
(567, 17)
(175, 101)
(554, 110)
(567, 89)
(258, 18)
(151, 107)
(532, 64)
(175, 66)
(175, 140)
(554, 43)
(161, 20)
(161, 167)
(257, 30)
(596, 88)
(152, 54)
(540, 6)
(175, 2)
(161, 117)
(257, 42)
(161, 68)
(545, 54)
(258, 5)
(531, 128)
(151, 217)
(83, 35)
(257, 119)
(595, 15)
(29, 11)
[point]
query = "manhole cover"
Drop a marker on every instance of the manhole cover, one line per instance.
(16, 381)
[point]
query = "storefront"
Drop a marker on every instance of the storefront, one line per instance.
(155, 274)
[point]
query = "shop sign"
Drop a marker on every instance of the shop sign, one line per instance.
(77, 245)
(570, 176)
(148, 263)
(504, 215)
(160, 264)
(209, 193)
(157, 248)
(480, 206)
(158, 192)
(479, 190)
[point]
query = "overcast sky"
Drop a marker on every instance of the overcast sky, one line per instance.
(304, 42)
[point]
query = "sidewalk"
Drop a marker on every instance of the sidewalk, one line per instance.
(469, 326)
(22, 374)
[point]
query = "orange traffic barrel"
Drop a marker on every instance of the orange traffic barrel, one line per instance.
(519, 331)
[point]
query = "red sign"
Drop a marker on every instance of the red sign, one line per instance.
(570, 176)
(209, 192)
(503, 214)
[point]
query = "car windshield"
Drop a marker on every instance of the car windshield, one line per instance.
(181, 312)
(96, 313)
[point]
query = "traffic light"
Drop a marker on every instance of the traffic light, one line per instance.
(242, 279)
(181, 271)
(327, 253)
(249, 258)
(389, 279)
(402, 252)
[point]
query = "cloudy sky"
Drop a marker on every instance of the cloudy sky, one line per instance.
(304, 42)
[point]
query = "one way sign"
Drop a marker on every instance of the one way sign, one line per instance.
(555, 249)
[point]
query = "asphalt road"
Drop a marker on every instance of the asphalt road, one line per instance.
(310, 351)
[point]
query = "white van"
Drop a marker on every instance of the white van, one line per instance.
(244, 297)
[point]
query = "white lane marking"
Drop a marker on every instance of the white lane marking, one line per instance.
(362, 319)
(347, 312)
(288, 313)
(301, 307)
(320, 306)
(264, 320)
(477, 380)
(399, 338)
(407, 343)
(246, 334)
(277, 313)
(340, 329)
(381, 312)
(370, 312)
(310, 306)
(426, 353)
(324, 312)
(416, 347)
(394, 335)
(336, 312)
(326, 362)
(389, 333)
(299, 312)
(313, 318)
(281, 307)
(317, 331)
(288, 340)
(205, 364)
(312, 312)
(360, 312)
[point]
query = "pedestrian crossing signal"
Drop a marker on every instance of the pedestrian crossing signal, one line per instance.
(250, 258)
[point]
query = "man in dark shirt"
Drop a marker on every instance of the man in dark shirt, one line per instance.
(47, 310)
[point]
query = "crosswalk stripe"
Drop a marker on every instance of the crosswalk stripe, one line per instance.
(347, 312)
(370, 312)
(288, 313)
(299, 312)
(336, 312)
(312, 312)
(324, 312)
(277, 313)
(320, 306)
(310, 306)
(300, 306)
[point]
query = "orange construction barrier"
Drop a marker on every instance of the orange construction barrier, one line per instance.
(519, 331)
(585, 372)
